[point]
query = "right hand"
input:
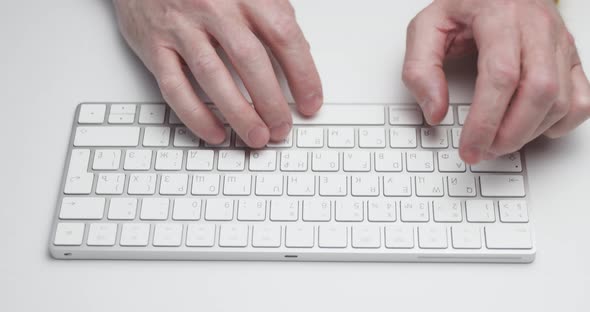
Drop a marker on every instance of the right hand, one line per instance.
(167, 34)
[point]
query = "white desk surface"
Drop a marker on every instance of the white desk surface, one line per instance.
(57, 54)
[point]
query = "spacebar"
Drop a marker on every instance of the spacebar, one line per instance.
(368, 114)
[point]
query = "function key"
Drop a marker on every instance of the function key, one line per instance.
(92, 113)
(152, 114)
(405, 115)
(122, 114)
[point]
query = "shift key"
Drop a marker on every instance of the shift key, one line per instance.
(107, 136)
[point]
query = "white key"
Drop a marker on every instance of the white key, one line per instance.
(122, 208)
(449, 118)
(341, 137)
(432, 236)
(399, 236)
(200, 160)
(508, 236)
(152, 114)
(372, 137)
(502, 186)
(456, 136)
(265, 160)
(366, 237)
(431, 186)
(406, 115)
(447, 210)
(333, 185)
(300, 185)
(462, 112)
(237, 184)
(92, 113)
(154, 209)
(325, 161)
(84, 208)
(365, 185)
(269, 185)
(142, 184)
(231, 160)
(381, 211)
(317, 210)
(78, 179)
(434, 137)
(156, 136)
(188, 209)
(294, 161)
(310, 137)
(513, 211)
(388, 161)
(284, 210)
(169, 159)
(173, 184)
(138, 160)
(299, 236)
(506, 163)
(135, 234)
(420, 161)
(219, 209)
(480, 211)
(200, 235)
(102, 234)
(251, 210)
(110, 183)
(69, 234)
(286, 142)
(226, 142)
(349, 211)
(397, 185)
(461, 186)
(449, 161)
(266, 235)
(106, 136)
(122, 113)
(106, 159)
(183, 137)
(466, 236)
(205, 184)
(167, 235)
(173, 118)
(403, 138)
(365, 114)
(414, 211)
(357, 161)
(332, 236)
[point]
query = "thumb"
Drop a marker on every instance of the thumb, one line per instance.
(423, 65)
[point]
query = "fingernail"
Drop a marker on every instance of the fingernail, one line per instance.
(280, 132)
(313, 102)
(258, 136)
(427, 110)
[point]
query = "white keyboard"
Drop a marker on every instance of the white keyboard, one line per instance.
(355, 183)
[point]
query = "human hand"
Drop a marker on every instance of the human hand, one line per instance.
(168, 35)
(530, 81)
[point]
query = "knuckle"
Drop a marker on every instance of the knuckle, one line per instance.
(544, 84)
(582, 105)
(560, 108)
(284, 30)
(504, 72)
(170, 84)
(247, 50)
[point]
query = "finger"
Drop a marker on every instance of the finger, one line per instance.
(178, 92)
(498, 75)
(279, 29)
(580, 105)
(538, 89)
(252, 63)
(215, 79)
(423, 65)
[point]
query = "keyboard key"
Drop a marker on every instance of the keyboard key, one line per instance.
(316, 210)
(122, 208)
(138, 160)
(349, 211)
(502, 186)
(310, 137)
(389, 161)
(432, 236)
(381, 211)
(365, 185)
(294, 161)
(106, 160)
(135, 234)
(365, 114)
(173, 184)
(480, 211)
(449, 118)
(200, 235)
(231, 160)
(299, 236)
(237, 184)
(83, 208)
(462, 112)
(156, 136)
(447, 210)
(506, 163)
(169, 160)
(267, 235)
(449, 161)
(420, 161)
(325, 161)
(434, 138)
(513, 211)
(205, 184)
(173, 118)
(429, 186)
(251, 209)
(200, 160)
(92, 113)
(219, 209)
(456, 137)
(110, 183)
(106, 136)
(284, 210)
(78, 179)
(286, 142)
(403, 138)
(466, 236)
(152, 114)
(263, 160)
(102, 234)
(397, 185)
(372, 137)
(399, 236)
(69, 234)
(269, 185)
(461, 186)
(357, 161)
(366, 237)
(300, 185)
(407, 115)
(341, 137)
(122, 114)
(154, 209)
(333, 185)
(414, 211)
(167, 235)
(183, 137)
(188, 209)
(508, 236)
(332, 236)
(142, 184)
